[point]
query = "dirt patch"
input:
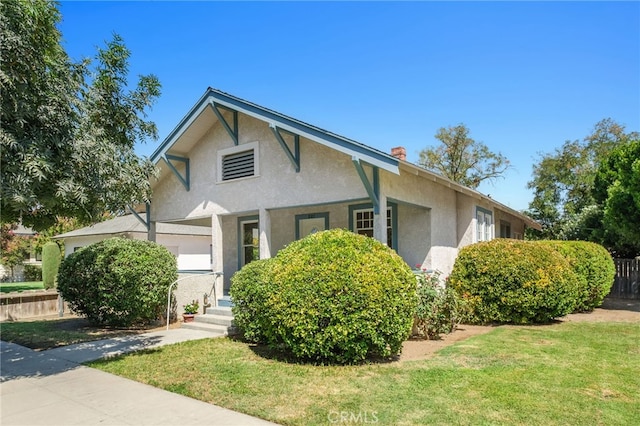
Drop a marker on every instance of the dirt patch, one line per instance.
(612, 310)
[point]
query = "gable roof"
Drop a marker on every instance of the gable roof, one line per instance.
(340, 143)
(129, 224)
(198, 120)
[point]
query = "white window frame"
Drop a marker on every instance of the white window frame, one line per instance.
(484, 224)
(369, 210)
(255, 146)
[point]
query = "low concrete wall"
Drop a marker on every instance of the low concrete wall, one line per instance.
(193, 286)
(29, 304)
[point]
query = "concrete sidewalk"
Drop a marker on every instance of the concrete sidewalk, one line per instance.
(52, 388)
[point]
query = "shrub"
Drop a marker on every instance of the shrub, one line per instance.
(32, 272)
(333, 296)
(50, 264)
(249, 291)
(439, 308)
(509, 281)
(118, 282)
(594, 268)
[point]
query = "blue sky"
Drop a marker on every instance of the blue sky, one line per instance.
(523, 76)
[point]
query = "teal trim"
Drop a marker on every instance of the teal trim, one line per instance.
(233, 133)
(299, 217)
(186, 179)
(394, 220)
(293, 157)
(195, 271)
(483, 210)
(373, 156)
(241, 220)
(147, 222)
(373, 189)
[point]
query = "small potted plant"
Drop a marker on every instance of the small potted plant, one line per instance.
(190, 310)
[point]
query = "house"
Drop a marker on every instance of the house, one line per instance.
(260, 180)
(191, 245)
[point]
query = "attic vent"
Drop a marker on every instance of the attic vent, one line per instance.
(238, 165)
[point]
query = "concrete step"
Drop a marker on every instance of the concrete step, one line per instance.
(215, 330)
(220, 310)
(225, 301)
(223, 320)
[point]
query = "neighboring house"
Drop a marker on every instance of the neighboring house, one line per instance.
(260, 180)
(190, 244)
(33, 258)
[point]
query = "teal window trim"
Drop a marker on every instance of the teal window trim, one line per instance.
(299, 217)
(394, 220)
(241, 220)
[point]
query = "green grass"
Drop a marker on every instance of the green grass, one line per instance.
(48, 334)
(568, 373)
(22, 286)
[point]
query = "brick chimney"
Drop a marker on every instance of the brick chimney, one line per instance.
(399, 152)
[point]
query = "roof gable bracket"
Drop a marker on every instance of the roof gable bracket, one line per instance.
(233, 133)
(184, 180)
(147, 222)
(373, 188)
(294, 156)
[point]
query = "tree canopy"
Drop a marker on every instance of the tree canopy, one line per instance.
(68, 128)
(617, 190)
(572, 187)
(462, 159)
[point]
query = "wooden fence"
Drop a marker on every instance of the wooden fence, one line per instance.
(627, 282)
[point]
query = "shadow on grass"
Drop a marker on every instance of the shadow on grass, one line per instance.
(282, 355)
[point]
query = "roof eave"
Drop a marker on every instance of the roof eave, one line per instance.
(339, 143)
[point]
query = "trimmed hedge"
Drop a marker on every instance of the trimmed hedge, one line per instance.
(118, 281)
(334, 297)
(594, 268)
(510, 281)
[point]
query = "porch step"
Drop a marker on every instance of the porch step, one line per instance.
(225, 301)
(224, 320)
(220, 310)
(215, 330)
(218, 320)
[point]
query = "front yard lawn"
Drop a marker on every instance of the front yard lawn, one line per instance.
(566, 373)
(21, 286)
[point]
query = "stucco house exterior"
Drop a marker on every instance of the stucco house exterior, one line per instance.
(259, 180)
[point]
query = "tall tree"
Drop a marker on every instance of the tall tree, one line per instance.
(14, 249)
(462, 159)
(617, 191)
(68, 128)
(563, 184)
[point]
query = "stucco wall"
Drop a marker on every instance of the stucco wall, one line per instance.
(194, 287)
(325, 176)
(191, 251)
(435, 220)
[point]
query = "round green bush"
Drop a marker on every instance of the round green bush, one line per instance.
(334, 297)
(118, 282)
(510, 281)
(51, 258)
(594, 268)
